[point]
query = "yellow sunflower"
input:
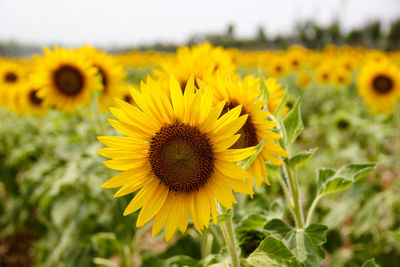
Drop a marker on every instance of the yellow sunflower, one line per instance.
(379, 86)
(66, 79)
(276, 66)
(111, 73)
(176, 154)
(246, 93)
(200, 61)
(304, 79)
(25, 100)
(341, 76)
(11, 75)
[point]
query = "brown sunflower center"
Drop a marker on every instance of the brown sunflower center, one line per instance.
(68, 80)
(181, 157)
(103, 75)
(127, 98)
(382, 84)
(10, 77)
(34, 98)
(183, 84)
(248, 135)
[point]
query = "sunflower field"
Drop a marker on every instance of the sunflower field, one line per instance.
(204, 157)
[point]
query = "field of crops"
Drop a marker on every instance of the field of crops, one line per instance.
(203, 157)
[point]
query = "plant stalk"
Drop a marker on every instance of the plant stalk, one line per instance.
(230, 239)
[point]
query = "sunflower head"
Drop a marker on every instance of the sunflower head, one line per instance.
(66, 79)
(25, 100)
(111, 75)
(176, 152)
(11, 76)
(198, 61)
(304, 79)
(246, 94)
(379, 86)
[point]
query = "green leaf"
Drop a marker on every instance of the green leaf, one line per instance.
(329, 181)
(251, 222)
(297, 160)
(293, 123)
(370, 263)
(282, 104)
(305, 244)
(396, 236)
(272, 252)
(263, 88)
(223, 217)
(245, 164)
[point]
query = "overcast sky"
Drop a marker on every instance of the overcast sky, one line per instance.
(132, 22)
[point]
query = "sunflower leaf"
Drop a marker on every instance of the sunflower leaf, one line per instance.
(281, 105)
(329, 181)
(305, 244)
(272, 252)
(245, 164)
(264, 89)
(297, 160)
(370, 263)
(293, 123)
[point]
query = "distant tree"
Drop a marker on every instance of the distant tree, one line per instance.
(394, 35)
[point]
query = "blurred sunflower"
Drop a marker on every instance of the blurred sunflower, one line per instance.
(66, 79)
(24, 100)
(199, 60)
(341, 76)
(304, 79)
(324, 74)
(276, 66)
(379, 86)
(111, 73)
(176, 152)
(246, 93)
(11, 75)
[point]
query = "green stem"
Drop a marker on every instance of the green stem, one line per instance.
(205, 244)
(230, 239)
(312, 209)
(291, 177)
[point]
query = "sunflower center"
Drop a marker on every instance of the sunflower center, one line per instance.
(68, 80)
(382, 84)
(10, 77)
(248, 136)
(181, 157)
(104, 79)
(127, 98)
(33, 97)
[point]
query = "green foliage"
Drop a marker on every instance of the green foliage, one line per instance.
(305, 244)
(299, 159)
(272, 252)
(293, 123)
(330, 181)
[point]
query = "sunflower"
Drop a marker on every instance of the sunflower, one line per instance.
(25, 100)
(66, 79)
(11, 75)
(341, 76)
(200, 61)
(276, 66)
(324, 73)
(246, 94)
(176, 152)
(379, 86)
(111, 73)
(304, 79)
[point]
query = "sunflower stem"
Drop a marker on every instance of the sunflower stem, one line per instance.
(312, 209)
(290, 176)
(230, 239)
(205, 244)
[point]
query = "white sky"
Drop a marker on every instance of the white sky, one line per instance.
(133, 22)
